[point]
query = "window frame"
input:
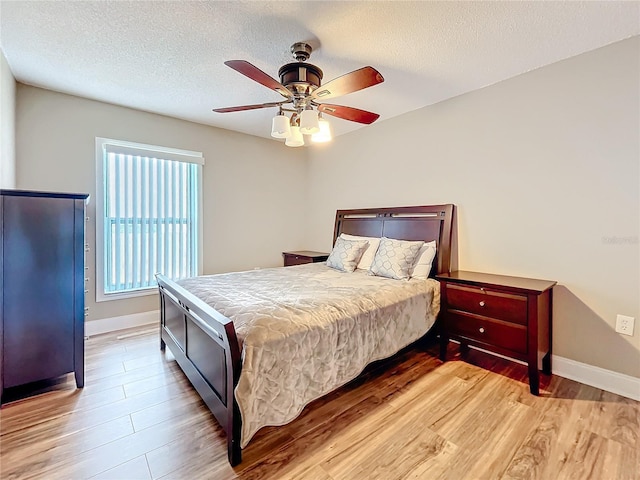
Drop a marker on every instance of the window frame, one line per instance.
(166, 153)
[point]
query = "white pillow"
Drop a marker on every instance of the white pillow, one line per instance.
(422, 265)
(372, 247)
(346, 254)
(395, 258)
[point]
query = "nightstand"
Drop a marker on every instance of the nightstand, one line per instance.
(303, 256)
(510, 316)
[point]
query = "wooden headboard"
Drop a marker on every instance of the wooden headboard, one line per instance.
(427, 223)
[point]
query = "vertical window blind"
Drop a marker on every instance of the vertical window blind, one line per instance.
(150, 222)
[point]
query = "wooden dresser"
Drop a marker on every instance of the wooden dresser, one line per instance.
(303, 256)
(42, 248)
(510, 316)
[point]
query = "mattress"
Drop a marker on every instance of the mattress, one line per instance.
(307, 330)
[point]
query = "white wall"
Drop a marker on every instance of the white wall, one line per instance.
(7, 124)
(544, 170)
(253, 188)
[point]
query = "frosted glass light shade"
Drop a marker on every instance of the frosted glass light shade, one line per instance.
(295, 139)
(309, 122)
(324, 135)
(280, 127)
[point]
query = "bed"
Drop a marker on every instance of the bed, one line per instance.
(225, 330)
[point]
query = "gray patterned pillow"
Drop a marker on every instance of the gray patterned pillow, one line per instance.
(395, 258)
(346, 254)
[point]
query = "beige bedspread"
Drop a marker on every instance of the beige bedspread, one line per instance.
(306, 330)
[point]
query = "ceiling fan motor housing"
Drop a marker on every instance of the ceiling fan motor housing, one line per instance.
(300, 77)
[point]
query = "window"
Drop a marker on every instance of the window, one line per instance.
(148, 216)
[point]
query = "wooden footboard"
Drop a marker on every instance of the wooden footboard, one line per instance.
(205, 346)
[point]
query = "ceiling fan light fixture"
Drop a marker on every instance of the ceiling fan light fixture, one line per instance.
(324, 135)
(309, 122)
(295, 139)
(280, 126)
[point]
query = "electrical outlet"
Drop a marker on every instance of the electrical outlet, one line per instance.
(624, 324)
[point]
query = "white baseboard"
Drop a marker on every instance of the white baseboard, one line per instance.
(614, 382)
(106, 325)
(608, 380)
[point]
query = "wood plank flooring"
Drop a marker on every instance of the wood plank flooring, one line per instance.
(411, 417)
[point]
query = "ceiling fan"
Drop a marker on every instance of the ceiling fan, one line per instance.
(300, 85)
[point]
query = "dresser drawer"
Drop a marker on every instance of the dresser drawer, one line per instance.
(488, 303)
(303, 256)
(290, 260)
(492, 332)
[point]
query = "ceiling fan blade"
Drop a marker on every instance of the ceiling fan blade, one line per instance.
(257, 75)
(349, 113)
(350, 82)
(248, 107)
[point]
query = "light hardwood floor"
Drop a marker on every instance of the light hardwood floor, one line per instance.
(412, 417)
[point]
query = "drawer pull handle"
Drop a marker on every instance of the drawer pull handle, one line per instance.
(481, 330)
(482, 304)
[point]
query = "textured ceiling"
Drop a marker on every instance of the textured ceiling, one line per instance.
(167, 57)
